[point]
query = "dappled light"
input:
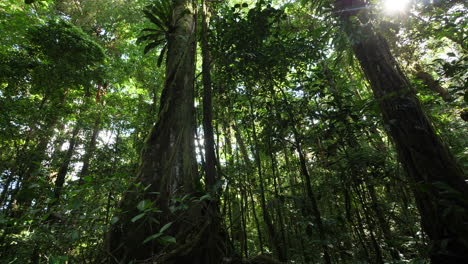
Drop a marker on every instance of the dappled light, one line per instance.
(393, 7)
(233, 132)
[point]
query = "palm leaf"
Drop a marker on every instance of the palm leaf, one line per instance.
(152, 30)
(147, 37)
(161, 55)
(168, 12)
(160, 14)
(155, 20)
(153, 45)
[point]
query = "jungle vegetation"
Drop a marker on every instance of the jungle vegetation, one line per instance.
(236, 131)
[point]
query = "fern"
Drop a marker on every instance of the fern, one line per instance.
(160, 14)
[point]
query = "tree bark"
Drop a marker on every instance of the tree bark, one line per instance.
(91, 147)
(438, 182)
(210, 157)
(214, 241)
(63, 171)
(432, 84)
(313, 206)
(168, 166)
(283, 245)
(313, 201)
(90, 151)
(30, 163)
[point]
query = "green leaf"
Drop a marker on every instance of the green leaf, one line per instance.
(151, 30)
(167, 239)
(151, 237)
(114, 220)
(143, 205)
(136, 218)
(205, 197)
(154, 19)
(147, 37)
(76, 203)
(75, 235)
(185, 197)
(34, 185)
(88, 178)
(161, 55)
(165, 227)
(153, 45)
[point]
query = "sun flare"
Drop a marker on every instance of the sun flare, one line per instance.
(395, 6)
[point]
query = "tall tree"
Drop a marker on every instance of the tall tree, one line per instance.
(438, 182)
(215, 241)
(168, 167)
(91, 146)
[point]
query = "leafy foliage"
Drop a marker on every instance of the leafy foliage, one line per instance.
(292, 114)
(160, 15)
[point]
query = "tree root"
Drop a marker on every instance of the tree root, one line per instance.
(260, 259)
(181, 250)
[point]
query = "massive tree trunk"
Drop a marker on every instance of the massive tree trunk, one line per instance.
(438, 182)
(168, 167)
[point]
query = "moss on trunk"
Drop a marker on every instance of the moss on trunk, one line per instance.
(168, 168)
(438, 182)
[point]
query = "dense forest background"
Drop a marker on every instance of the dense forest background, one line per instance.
(237, 131)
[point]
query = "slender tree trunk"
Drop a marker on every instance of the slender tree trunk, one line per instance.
(267, 219)
(250, 169)
(227, 193)
(63, 171)
(370, 224)
(293, 183)
(313, 201)
(359, 229)
(384, 225)
(243, 212)
(90, 151)
(34, 158)
(91, 147)
(214, 241)
(438, 182)
(283, 246)
(210, 157)
(257, 223)
(317, 218)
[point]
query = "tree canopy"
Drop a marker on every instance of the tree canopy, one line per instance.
(238, 131)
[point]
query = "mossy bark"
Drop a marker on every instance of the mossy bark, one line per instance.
(168, 167)
(438, 182)
(215, 241)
